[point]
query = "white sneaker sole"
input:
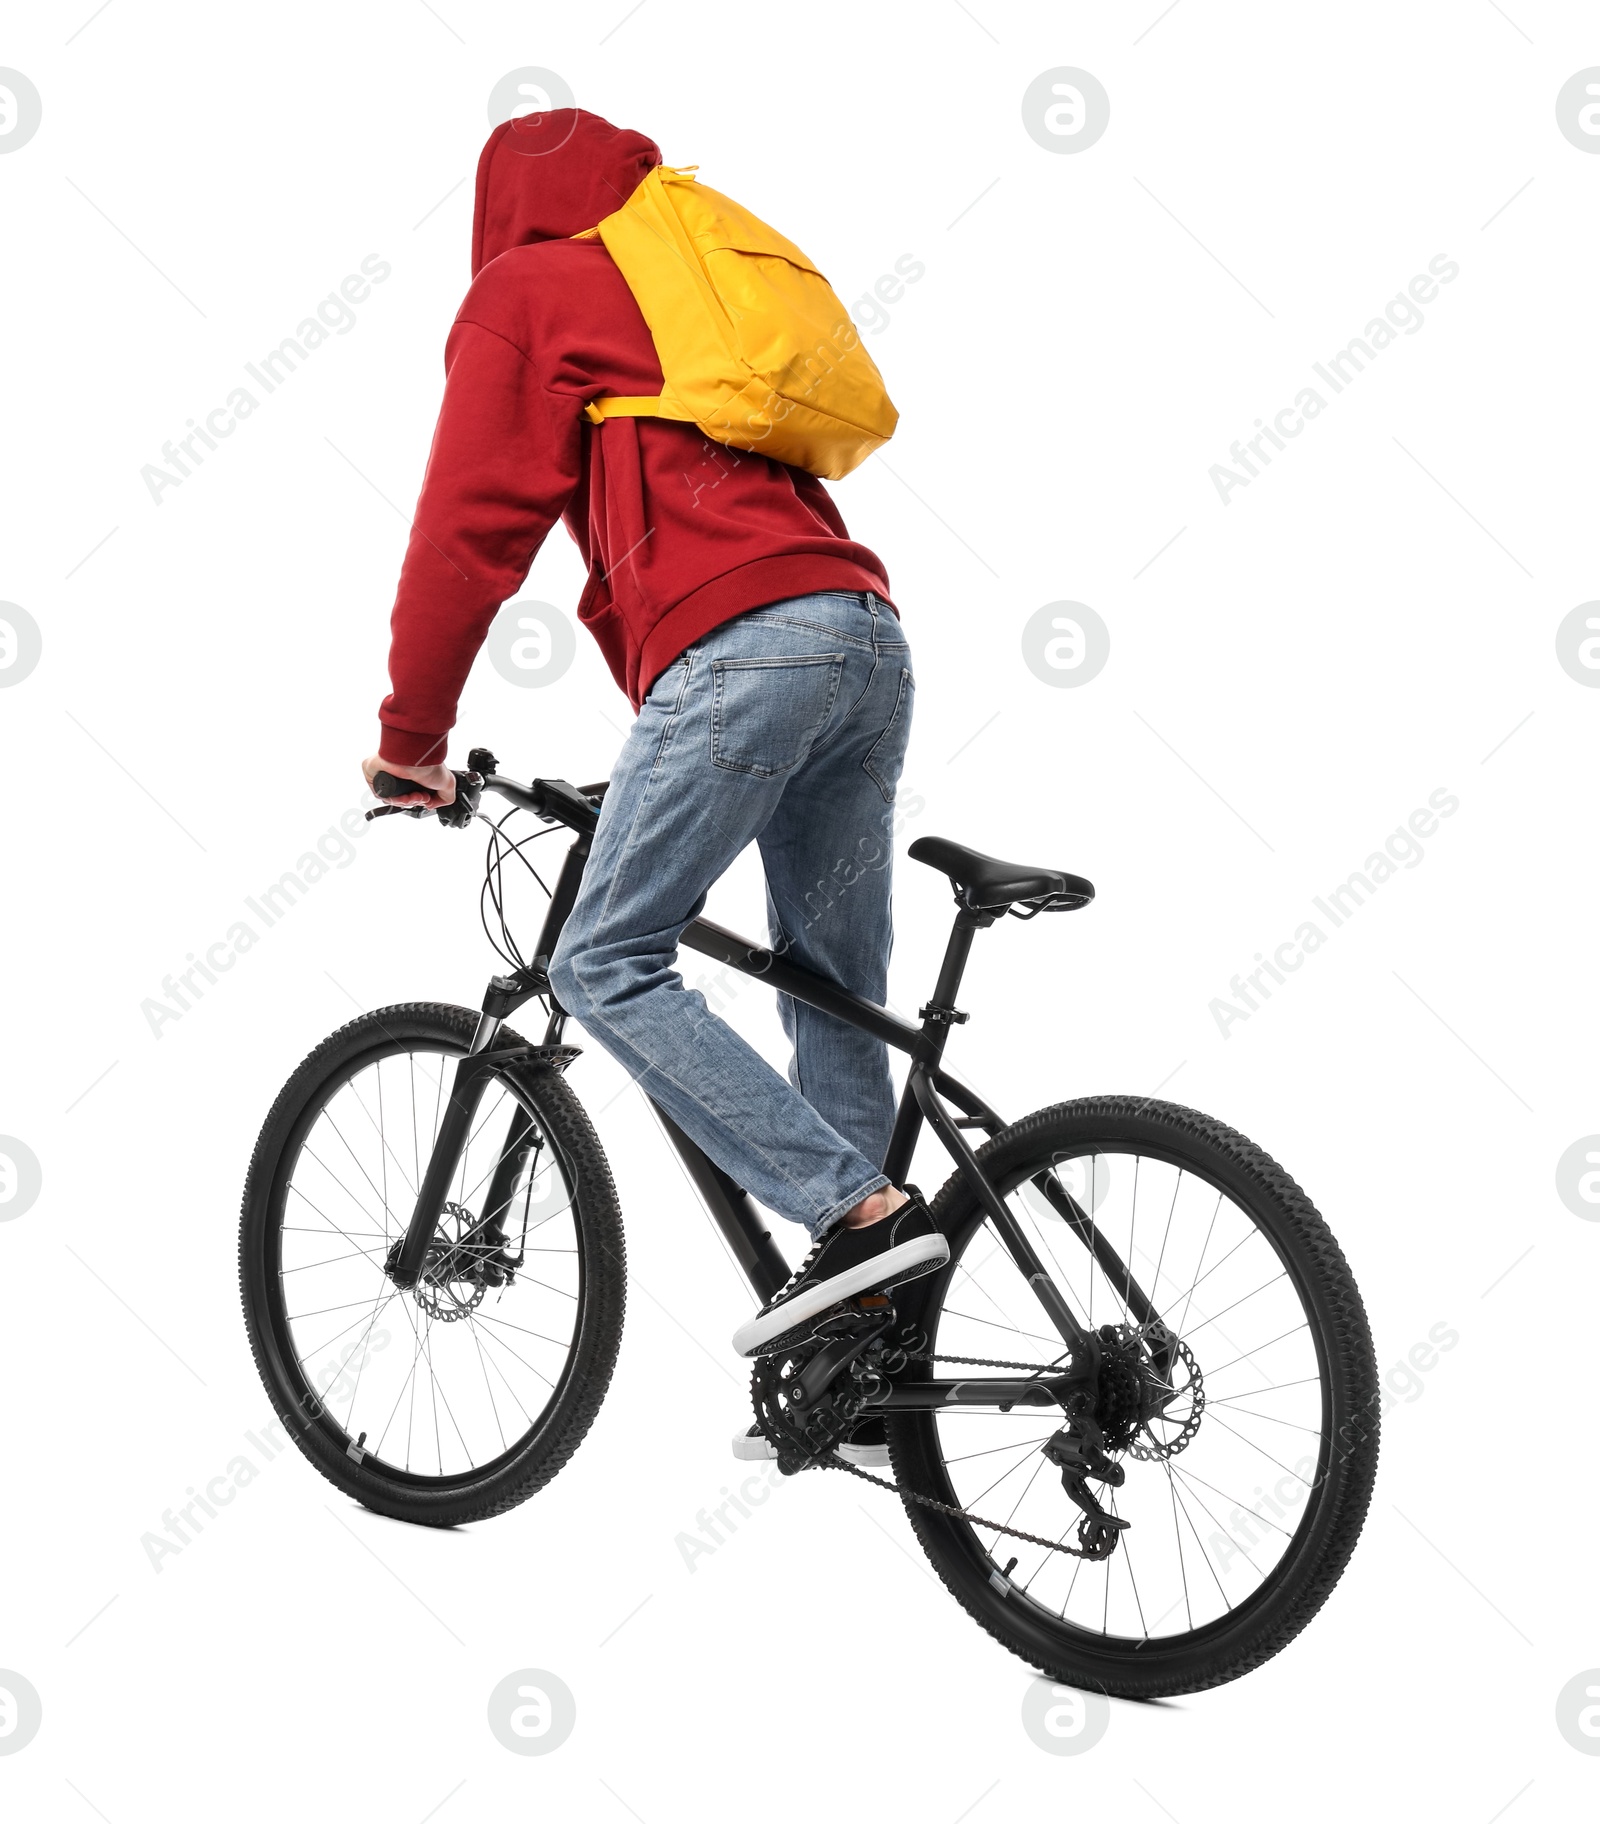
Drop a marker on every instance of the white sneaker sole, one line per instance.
(755, 1449)
(866, 1456)
(908, 1261)
(758, 1450)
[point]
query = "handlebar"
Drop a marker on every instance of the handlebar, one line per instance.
(551, 800)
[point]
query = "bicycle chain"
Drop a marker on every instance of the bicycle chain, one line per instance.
(983, 1361)
(832, 1460)
(960, 1513)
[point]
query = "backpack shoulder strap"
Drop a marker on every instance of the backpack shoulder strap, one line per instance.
(597, 411)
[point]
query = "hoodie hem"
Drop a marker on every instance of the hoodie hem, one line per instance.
(757, 584)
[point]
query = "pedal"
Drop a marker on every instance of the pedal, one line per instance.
(826, 1325)
(836, 1355)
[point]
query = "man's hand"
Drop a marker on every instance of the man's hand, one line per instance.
(436, 785)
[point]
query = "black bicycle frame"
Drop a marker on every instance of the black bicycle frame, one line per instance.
(929, 1088)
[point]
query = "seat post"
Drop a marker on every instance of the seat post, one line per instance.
(956, 951)
(940, 1013)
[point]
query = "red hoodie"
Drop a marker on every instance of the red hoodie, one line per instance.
(680, 533)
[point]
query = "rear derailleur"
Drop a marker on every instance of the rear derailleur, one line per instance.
(1078, 1450)
(1132, 1385)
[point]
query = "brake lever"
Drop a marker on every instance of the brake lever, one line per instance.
(456, 815)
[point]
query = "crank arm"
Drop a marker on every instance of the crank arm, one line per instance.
(833, 1358)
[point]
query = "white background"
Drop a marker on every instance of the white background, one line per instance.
(1288, 680)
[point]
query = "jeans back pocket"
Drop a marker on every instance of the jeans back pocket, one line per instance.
(767, 713)
(887, 754)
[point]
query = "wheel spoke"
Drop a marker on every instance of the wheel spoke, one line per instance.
(333, 1260)
(329, 1220)
(1212, 1373)
(1023, 1444)
(1181, 1237)
(1236, 1303)
(469, 1386)
(1010, 1329)
(387, 1152)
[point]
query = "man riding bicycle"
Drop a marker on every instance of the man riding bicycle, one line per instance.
(771, 679)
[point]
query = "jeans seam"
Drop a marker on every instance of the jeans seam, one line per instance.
(833, 633)
(706, 1108)
(821, 747)
(906, 682)
(668, 727)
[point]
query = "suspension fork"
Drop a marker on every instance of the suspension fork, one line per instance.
(472, 1075)
(491, 1228)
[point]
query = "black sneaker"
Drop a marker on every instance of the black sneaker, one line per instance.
(844, 1264)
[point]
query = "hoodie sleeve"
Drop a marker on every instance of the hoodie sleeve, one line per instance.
(504, 463)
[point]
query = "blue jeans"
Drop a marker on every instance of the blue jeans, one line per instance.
(786, 727)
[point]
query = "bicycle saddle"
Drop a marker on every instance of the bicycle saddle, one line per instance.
(983, 884)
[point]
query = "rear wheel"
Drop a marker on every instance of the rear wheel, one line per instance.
(461, 1396)
(1245, 1496)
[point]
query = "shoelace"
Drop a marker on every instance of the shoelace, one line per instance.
(816, 1248)
(796, 1276)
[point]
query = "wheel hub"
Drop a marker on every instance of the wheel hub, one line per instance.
(1119, 1403)
(1135, 1397)
(458, 1268)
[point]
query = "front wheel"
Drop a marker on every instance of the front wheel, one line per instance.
(1244, 1493)
(458, 1397)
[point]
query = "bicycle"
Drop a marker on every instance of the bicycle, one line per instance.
(1081, 1483)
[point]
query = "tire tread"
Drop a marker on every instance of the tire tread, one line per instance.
(1352, 1354)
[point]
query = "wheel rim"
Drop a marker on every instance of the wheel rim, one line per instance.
(1213, 1525)
(449, 1379)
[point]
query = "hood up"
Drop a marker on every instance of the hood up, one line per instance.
(547, 176)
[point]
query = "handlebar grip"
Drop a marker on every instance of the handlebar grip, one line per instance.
(386, 785)
(456, 815)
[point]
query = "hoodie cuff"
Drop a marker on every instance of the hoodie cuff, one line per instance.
(407, 749)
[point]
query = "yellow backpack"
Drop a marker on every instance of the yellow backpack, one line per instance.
(754, 346)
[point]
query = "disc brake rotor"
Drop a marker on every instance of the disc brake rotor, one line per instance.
(1135, 1397)
(451, 1284)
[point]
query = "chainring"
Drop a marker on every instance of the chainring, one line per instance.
(803, 1439)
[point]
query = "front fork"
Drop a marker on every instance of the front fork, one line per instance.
(472, 1076)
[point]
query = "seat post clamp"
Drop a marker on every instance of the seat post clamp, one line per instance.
(943, 1016)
